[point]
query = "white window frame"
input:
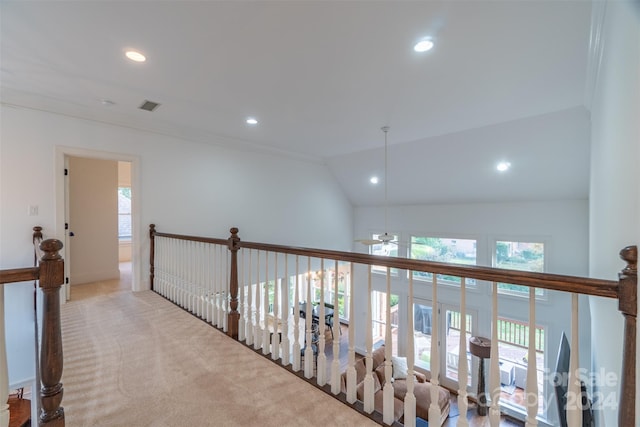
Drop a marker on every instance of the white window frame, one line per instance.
(470, 283)
(543, 295)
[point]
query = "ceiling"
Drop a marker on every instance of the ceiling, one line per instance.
(321, 77)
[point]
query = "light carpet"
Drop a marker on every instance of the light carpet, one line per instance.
(134, 359)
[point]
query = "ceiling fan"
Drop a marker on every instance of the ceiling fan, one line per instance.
(385, 238)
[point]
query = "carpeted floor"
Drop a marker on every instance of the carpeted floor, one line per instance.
(134, 359)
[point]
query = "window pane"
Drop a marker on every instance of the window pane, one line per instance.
(379, 317)
(522, 256)
(422, 321)
(124, 212)
(513, 342)
(452, 341)
(384, 249)
(456, 251)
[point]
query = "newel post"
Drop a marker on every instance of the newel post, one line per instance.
(51, 279)
(152, 251)
(233, 318)
(628, 305)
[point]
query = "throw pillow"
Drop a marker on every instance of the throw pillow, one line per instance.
(400, 368)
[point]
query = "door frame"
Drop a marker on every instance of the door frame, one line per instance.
(61, 206)
(441, 312)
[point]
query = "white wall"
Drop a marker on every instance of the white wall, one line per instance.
(561, 225)
(615, 176)
(183, 187)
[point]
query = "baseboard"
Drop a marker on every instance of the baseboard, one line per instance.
(94, 276)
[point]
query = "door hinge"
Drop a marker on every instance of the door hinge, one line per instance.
(66, 172)
(66, 280)
(66, 225)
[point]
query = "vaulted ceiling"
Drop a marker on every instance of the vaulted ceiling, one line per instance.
(321, 77)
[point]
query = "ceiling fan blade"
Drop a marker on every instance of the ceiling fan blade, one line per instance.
(369, 241)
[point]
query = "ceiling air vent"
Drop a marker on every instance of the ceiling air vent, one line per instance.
(149, 105)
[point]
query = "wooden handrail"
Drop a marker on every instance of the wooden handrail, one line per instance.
(50, 273)
(19, 275)
(581, 285)
(625, 289)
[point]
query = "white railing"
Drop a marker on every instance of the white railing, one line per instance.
(281, 313)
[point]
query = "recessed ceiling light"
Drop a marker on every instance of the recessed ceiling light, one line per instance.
(134, 55)
(503, 166)
(423, 45)
(373, 180)
(252, 121)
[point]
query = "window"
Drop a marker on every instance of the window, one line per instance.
(523, 256)
(456, 251)
(379, 317)
(384, 249)
(513, 343)
(329, 293)
(422, 329)
(124, 213)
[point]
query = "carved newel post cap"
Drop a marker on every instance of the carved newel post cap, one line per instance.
(51, 247)
(630, 256)
(234, 240)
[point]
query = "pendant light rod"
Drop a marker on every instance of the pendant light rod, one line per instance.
(385, 129)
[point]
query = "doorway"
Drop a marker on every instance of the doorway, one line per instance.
(68, 226)
(449, 330)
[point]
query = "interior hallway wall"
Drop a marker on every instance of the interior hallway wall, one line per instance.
(615, 186)
(189, 188)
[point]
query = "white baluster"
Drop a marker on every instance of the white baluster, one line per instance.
(275, 340)
(249, 320)
(308, 343)
(183, 275)
(221, 285)
(368, 378)
(351, 370)
(574, 396)
(225, 289)
(4, 370)
(210, 279)
(388, 398)
(241, 299)
(190, 275)
(296, 319)
(322, 358)
(531, 393)
(199, 274)
(410, 398)
(286, 346)
(463, 370)
(214, 286)
(257, 338)
(494, 371)
(434, 409)
(335, 366)
(265, 307)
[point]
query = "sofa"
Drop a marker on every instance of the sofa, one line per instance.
(421, 390)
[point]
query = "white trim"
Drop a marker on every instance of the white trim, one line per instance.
(136, 231)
